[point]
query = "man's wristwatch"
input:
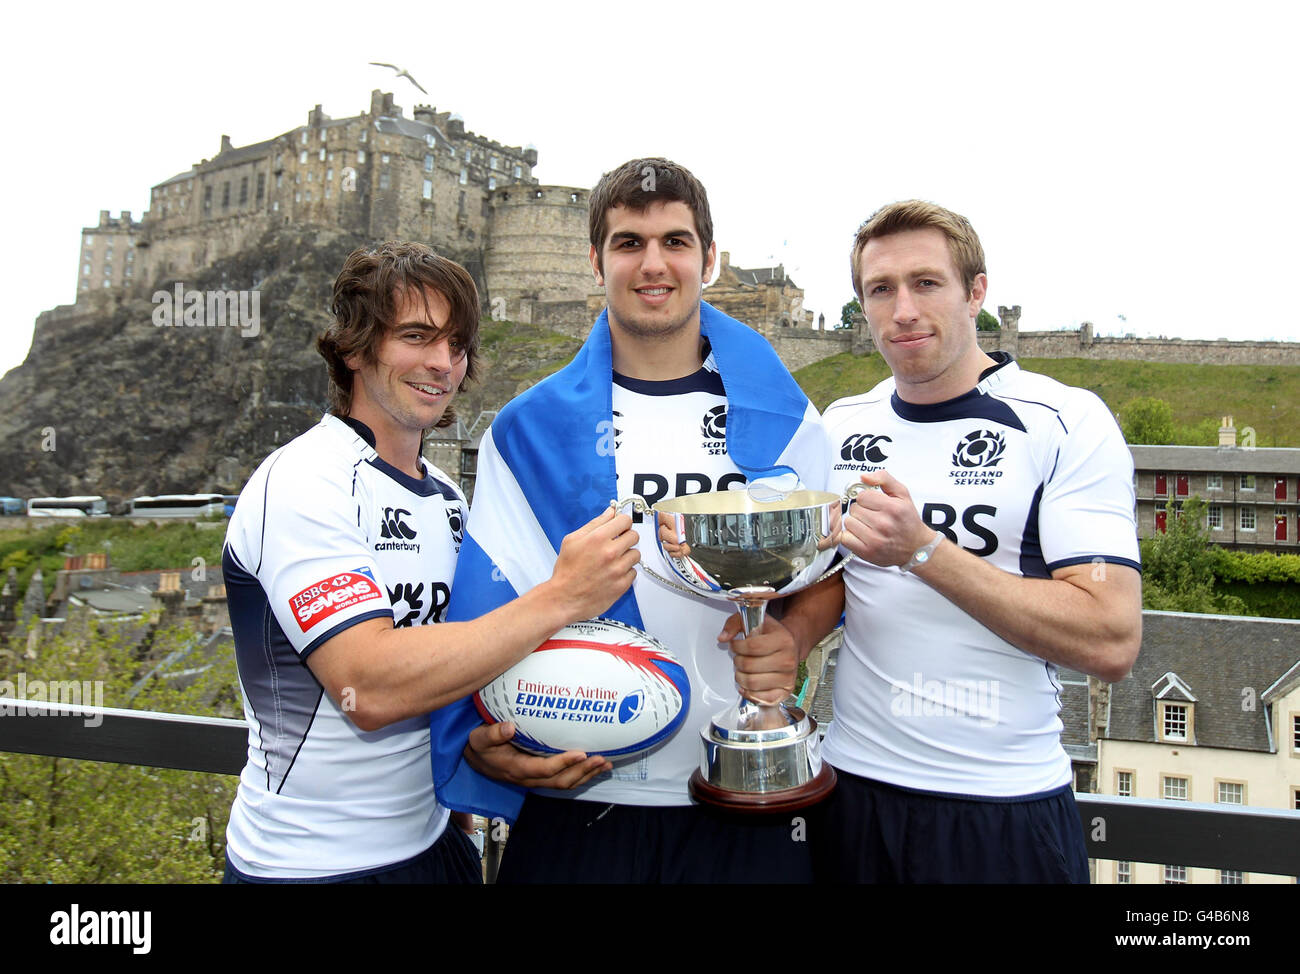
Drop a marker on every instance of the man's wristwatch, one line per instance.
(923, 553)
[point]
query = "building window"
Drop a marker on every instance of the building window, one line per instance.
(492, 182)
(1214, 481)
(1162, 485)
(302, 158)
(207, 197)
(1248, 481)
(310, 176)
(1230, 793)
(85, 269)
(279, 180)
(383, 157)
(428, 139)
(384, 180)
(467, 155)
(1248, 519)
(1214, 517)
(304, 136)
(1175, 789)
(1295, 733)
(330, 157)
(1175, 721)
(1124, 784)
(1175, 874)
(492, 162)
(322, 135)
(427, 192)
(464, 177)
(1123, 872)
(322, 155)
(261, 186)
(297, 197)
(364, 134)
(225, 195)
(1230, 877)
(428, 163)
(329, 174)
(361, 156)
(328, 194)
(519, 172)
(243, 190)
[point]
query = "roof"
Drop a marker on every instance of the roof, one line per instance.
(413, 129)
(1217, 459)
(761, 275)
(1220, 658)
(223, 160)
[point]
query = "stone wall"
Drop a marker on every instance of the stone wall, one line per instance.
(1081, 344)
(537, 249)
(799, 347)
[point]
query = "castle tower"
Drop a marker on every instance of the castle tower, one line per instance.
(1009, 337)
(537, 250)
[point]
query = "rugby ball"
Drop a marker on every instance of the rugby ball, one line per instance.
(598, 686)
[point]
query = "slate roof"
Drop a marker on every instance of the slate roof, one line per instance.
(232, 157)
(1217, 459)
(1218, 658)
(763, 275)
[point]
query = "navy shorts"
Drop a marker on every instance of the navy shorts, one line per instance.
(870, 832)
(565, 840)
(453, 859)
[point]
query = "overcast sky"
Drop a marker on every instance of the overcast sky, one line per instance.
(1128, 164)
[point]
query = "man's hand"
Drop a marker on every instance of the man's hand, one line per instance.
(882, 526)
(490, 752)
(767, 663)
(596, 564)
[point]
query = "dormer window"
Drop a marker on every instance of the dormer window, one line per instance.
(1175, 708)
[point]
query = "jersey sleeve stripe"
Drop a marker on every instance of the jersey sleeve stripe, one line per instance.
(385, 613)
(1088, 559)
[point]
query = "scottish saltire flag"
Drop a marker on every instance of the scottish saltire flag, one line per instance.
(546, 467)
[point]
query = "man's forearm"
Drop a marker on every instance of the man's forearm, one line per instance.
(1087, 617)
(809, 615)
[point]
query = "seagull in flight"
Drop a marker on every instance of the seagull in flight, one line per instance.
(401, 73)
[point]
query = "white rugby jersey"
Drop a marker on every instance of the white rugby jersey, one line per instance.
(669, 441)
(1032, 476)
(327, 535)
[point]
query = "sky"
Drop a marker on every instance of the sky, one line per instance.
(1125, 164)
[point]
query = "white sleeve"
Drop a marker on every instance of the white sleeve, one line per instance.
(1087, 507)
(309, 551)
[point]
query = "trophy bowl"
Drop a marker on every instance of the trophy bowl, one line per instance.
(733, 545)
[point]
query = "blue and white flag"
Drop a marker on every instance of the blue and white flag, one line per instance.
(546, 467)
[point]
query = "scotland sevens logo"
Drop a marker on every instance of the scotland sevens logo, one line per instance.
(714, 426)
(981, 448)
(456, 521)
(631, 706)
(862, 447)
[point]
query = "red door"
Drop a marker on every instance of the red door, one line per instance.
(1279, 527)
(1182, 485)
(1279, 488)
(1162, 485)
(1161, 520)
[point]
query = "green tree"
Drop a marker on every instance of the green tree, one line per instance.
(1147, 420)
(847, 312)
(66, 821)
(986, 322)
(1178, 566)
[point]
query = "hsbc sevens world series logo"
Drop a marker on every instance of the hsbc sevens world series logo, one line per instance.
(864, 448)
(981, 448)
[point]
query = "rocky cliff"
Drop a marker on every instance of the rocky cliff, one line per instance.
(110, 402)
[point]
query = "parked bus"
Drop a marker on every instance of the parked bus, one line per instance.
(177, 505)
(67, 507)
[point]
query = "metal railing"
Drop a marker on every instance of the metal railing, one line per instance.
(1245, 838)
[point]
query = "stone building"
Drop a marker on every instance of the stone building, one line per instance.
(108, 254)
(765, 298)
(1210, 713)
(378, 174)
(1253, 495)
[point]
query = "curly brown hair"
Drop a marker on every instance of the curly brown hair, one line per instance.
(364, 304)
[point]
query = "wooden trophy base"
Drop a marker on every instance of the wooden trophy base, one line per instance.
(755, 803)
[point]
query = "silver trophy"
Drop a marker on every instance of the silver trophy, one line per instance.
(733, 545)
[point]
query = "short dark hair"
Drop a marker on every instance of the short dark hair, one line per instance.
(364, 304)
(639, 183)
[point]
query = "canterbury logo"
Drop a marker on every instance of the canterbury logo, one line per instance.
(981, 448)
(392, 525)
(862, 447)
(714, 426)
